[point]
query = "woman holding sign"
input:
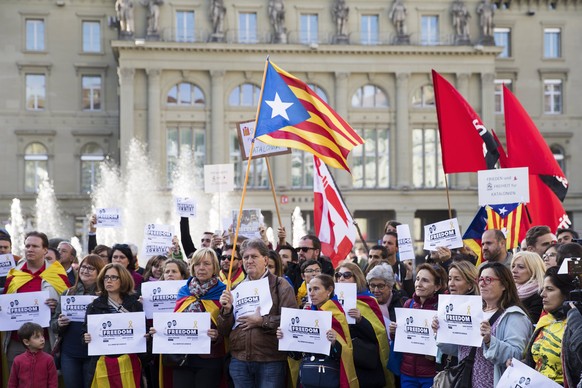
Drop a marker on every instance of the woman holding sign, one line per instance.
(117, 295)
(74, 358)
(336, 369)
(368, 333)
(201, 294)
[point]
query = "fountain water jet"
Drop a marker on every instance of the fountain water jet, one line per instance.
(48, 212)
(298, 226)
(16, 227)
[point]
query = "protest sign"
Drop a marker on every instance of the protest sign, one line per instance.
(520, 375)
(6, 263)
(181, 333)
(405, 247)
(347, 296)
(108, 217)
(460, 318)
(116, 333)
(413, 332)
(499, 186)
(443, 234)
(74, 307)
(248, 296)
(305, 331)
(250, 222)
(246, 131)
(218, 178)
(160, 297)
(186, 207)
(18, 309)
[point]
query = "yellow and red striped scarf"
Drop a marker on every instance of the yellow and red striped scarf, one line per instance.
(237, 277)
(117, 372)
(54, 274)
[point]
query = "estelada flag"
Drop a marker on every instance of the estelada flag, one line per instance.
(467, 145)
(292, 115)
(334, 225)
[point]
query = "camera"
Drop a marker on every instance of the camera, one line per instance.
(575, 270)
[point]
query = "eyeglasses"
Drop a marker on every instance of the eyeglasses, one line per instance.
(345, 275)
(380, 287)
(303, 249)
(87, 268)
(317, 270)
(228, 257)
(549, 255)
(487, 279)
(112, 278)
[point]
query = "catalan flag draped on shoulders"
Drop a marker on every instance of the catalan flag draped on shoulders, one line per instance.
(370, 309)
(348, 377)
(53, 274)
(292, 115)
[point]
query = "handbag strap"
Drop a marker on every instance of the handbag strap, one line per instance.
(492, 320)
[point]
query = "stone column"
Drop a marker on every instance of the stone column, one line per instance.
(126, 110)
(462, 180)
(401, 154)
(154, 135)
(218, 134)
(343, 179)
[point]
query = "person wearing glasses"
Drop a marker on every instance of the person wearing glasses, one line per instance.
(116, 295)
(229, 254)
(74, 358)
(528, 271)
(256, 361)
(122, 254)
(550, 256)
(309, 270)
(419, 370)
(310, 249)
(381, 284)
(368, 334)
(507, 336)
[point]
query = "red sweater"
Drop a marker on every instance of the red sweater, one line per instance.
(33, 370)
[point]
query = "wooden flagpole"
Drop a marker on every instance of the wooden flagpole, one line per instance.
(448, 196)
(242, 200)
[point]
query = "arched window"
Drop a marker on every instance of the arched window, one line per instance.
(186, 93)
(370, 96)
(560, 156)
(423, 97)
(319, 91)
(92, 156)
(35, 166)
(245, 95)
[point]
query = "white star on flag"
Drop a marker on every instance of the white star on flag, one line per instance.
(502, 211)
(279, 107)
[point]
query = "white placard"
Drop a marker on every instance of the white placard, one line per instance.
(246, 132)
(443, 234)
(563, 270)
(17, 309)
(6, 264)
(305, 331)
(108, 217)
(248, 296)
(117, 333)
(413, 331)
(75, 306)
(250, 222)
(460, 318)
(503, 185)
(522, 376)
(405, 247)
(347, 295)
(181, 333)
(186, 207)
(159, 234)
(218, 178)
(149, 248)
(160, 296)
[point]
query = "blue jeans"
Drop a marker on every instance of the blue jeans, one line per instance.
(247, 374)
(77, 372)
(415, 382)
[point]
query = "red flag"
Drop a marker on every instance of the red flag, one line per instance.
(334, 225)
(526, 147)
(466, 144)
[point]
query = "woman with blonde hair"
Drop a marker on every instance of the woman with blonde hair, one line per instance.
(528, 271)
(463, 278)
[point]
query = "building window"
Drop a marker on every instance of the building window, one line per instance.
(429, 30)
(560, 156)
(301, 169)
(369, 96)
(35, 91)
(499, 93)
(552, 96)
(319, 91)
(247, 27)
(552, 42)
(370, 30)
(245, 95)
(91, 37)
(35, 34)
(502, 36)
(185, 26)
(91, 92)
(308, 29)
(371, 160)
(427, 169)
(184, 139)
(258, 174)
(423, 97)
(186, 93)
(35, 166)
(91, 158)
